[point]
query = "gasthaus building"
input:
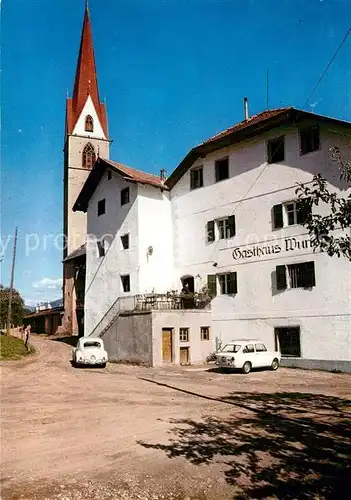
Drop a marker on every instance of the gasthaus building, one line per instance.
(226, 229)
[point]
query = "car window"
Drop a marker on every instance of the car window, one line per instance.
(231, 348)
(260, 348)
(92, 344)
(248, 348)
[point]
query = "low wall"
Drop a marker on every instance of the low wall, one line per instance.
(317, 364)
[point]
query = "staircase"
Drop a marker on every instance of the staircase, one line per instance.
(121, 304)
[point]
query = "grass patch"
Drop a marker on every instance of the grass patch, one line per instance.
(13, 348)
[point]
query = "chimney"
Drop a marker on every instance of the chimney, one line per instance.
(246, 108)
(163, 174)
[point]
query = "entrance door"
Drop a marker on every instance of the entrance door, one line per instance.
(167, 345)
(288, 341)
(184, 355)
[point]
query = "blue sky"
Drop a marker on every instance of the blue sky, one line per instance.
(173, 73)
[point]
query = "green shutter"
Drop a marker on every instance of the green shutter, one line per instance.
(210, 231)
(231, 226)
(281, 277)
(212, 284)
(278, 216)
(233, 284)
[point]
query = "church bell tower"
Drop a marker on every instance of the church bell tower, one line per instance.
(86, 138)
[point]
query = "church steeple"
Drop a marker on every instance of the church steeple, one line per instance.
(85, 83)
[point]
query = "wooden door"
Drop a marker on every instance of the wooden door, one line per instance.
(184, 355)
(167, 345)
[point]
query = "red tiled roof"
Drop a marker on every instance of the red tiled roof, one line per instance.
(85, 81)
(255, 119)
(136, 175)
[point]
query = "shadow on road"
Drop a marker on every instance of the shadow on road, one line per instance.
(283, 445)
(72, 340)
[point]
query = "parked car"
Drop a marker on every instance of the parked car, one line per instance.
(245, 354)
(89, 351)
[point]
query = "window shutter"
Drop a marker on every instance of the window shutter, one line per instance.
(212, 284)
(281, 277)
(278, 216)
(303, 210)
(310, 274)
(233, 283)
(231, 225)
(210, 231)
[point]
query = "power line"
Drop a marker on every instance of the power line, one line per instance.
(328, 66)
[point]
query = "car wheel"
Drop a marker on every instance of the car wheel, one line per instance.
(103, 365)
(275, 364)
(246, 367)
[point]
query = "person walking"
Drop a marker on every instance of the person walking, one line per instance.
(27, 333)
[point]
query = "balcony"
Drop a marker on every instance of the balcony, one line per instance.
(172, 301)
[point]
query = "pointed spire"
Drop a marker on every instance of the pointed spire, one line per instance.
(85, 83)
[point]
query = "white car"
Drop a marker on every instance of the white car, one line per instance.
(89, 351)
(245, 354)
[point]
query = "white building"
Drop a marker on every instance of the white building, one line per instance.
(226, 218)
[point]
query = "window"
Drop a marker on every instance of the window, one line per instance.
(228, 283)
(89, 124)
(125, 241)
(109, 175)
(212, 285)
(125, 280)
(226, 227)
(223, 229)
(184, 334)
(260, 348)
(222, 169)
(101, 248)
(196, 178)
(296, 276)
(309, 139)
(291, 213)
(288, 341)
(101, 207)
(275, 150)
(231, 348)
(248, 348)
(125, 196)
(205, 333)
(89, 156)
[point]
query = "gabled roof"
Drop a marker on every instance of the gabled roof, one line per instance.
(246, 129)
(85, 83)
(127, 173)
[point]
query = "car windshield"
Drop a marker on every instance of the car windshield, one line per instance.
(231, 348)
(92, 344)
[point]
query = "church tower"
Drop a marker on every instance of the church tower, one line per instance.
(86, 138)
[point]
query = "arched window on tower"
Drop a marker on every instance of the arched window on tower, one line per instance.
(89, 124)
(89, 156)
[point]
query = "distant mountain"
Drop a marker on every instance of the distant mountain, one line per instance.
(57, 303)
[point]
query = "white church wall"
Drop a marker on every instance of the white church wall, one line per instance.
(79, 129)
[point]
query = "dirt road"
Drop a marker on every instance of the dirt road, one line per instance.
(141, 433)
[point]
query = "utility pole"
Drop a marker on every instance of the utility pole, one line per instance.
(267, 89)
(9, 313)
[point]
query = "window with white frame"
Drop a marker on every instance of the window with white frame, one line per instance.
(205, 333)
(184, 334)
(300, 275)
(220, 229)
(291, 212)
(228, 283)
(196, 178)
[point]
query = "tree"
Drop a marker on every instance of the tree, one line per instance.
(17, 306)
(322, 227)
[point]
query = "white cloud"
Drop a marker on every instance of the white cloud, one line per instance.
(48, 284)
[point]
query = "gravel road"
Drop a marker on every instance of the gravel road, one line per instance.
(179, 433)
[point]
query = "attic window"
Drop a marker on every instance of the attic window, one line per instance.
(89, 124)
(109, 175)
(89, 156)
(125, 196)
(275, 150)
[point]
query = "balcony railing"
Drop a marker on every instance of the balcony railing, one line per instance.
(172, 300)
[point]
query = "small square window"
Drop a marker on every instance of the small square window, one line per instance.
(101, 248)
(205, 333)
(275, 150)
(125, 280)
(125, 196)
(309, 139)
(196, 178)
(109, 175)
(184, 334)
(222, 169)
(125, 241)
(101, 207)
